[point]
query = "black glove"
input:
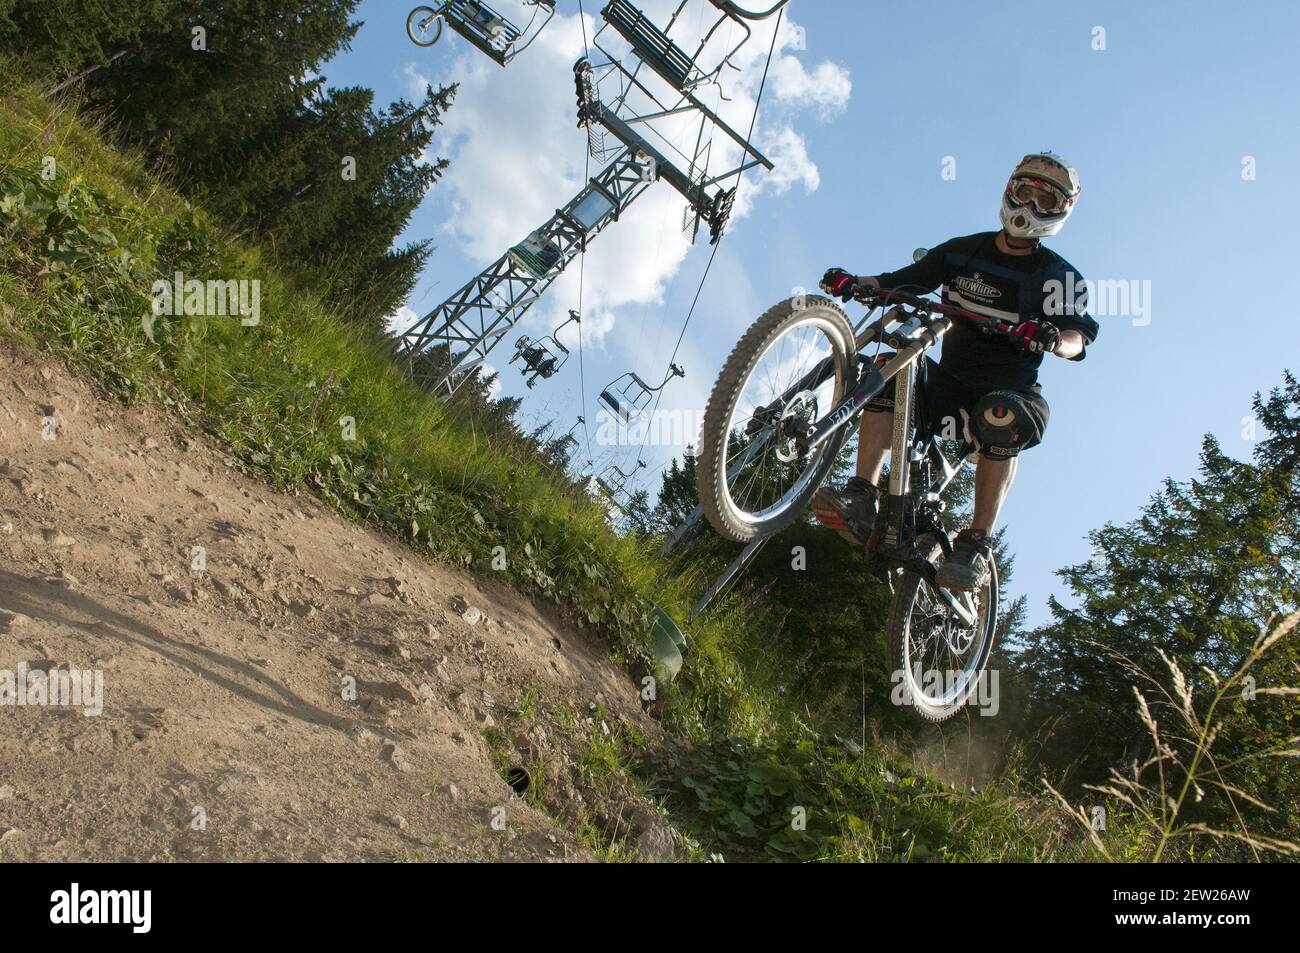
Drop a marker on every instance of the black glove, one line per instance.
(1037, 337)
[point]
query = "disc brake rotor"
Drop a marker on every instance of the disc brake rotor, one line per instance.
(959, 637)
(795, 419)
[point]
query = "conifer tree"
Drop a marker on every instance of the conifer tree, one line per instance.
(1206, 566)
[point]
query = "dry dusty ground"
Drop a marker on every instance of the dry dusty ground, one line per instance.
(225, 733)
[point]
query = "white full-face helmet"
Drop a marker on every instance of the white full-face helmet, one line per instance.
(1039, 196)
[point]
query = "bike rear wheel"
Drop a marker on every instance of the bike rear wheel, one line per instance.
(791, 367)
(940, 662)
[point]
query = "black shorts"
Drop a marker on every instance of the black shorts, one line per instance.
(1000, 421)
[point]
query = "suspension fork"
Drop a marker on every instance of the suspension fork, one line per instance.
(874, 379)
(900, 466)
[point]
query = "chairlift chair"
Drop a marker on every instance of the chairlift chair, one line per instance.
(535, 256)
(545, 356)
(657, 50)
(628, 396)
(613, 481)
(481, 25)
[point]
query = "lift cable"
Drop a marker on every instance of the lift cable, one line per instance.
(582, 370)
(582, 265)
(703, 278)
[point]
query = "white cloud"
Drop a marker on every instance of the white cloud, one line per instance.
(402, 319)
(789, 154)
(827, 87)
(517, 154)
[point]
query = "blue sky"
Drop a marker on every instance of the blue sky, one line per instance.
(1161, 124)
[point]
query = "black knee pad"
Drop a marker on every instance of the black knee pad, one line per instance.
(1003, 423)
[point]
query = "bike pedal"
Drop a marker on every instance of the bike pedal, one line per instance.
(835, 522)
(830, 519)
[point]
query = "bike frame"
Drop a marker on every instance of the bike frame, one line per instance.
(767, 429)
(916, 333)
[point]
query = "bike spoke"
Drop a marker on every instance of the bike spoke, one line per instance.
(944, 655)
(766, 480)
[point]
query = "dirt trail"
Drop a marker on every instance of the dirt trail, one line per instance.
(225, 733)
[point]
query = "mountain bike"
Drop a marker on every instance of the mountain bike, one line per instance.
(777, 419)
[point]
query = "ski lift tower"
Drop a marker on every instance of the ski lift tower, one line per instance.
(442, 349)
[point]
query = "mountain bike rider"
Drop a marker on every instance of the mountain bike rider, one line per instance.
(983, 386)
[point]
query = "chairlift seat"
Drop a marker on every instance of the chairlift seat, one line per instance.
(612, 481)
(538, 360)
(611, 494)
(542, 358)
(482, 26)
(651, 44)
(534, 257)
(628, 401)
(622, 408)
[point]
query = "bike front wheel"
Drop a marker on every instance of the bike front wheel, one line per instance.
(941, 661)
(792, 366)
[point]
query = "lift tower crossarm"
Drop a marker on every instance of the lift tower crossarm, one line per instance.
(475, 319)
(442, 349)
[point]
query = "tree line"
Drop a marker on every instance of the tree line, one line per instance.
(227, 99)
(1207, 565)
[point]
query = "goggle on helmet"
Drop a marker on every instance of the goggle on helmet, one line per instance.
(1039, 196)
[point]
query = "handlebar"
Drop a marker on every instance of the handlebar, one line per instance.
(881, 296)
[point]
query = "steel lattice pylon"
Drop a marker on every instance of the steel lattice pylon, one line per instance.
(473, 321)
(443, 348)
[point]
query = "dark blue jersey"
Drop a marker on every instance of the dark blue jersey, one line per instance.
(979, 277)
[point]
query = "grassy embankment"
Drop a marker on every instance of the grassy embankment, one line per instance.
(80, 252)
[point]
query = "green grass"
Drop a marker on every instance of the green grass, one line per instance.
(81, 251)
(276, 394)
